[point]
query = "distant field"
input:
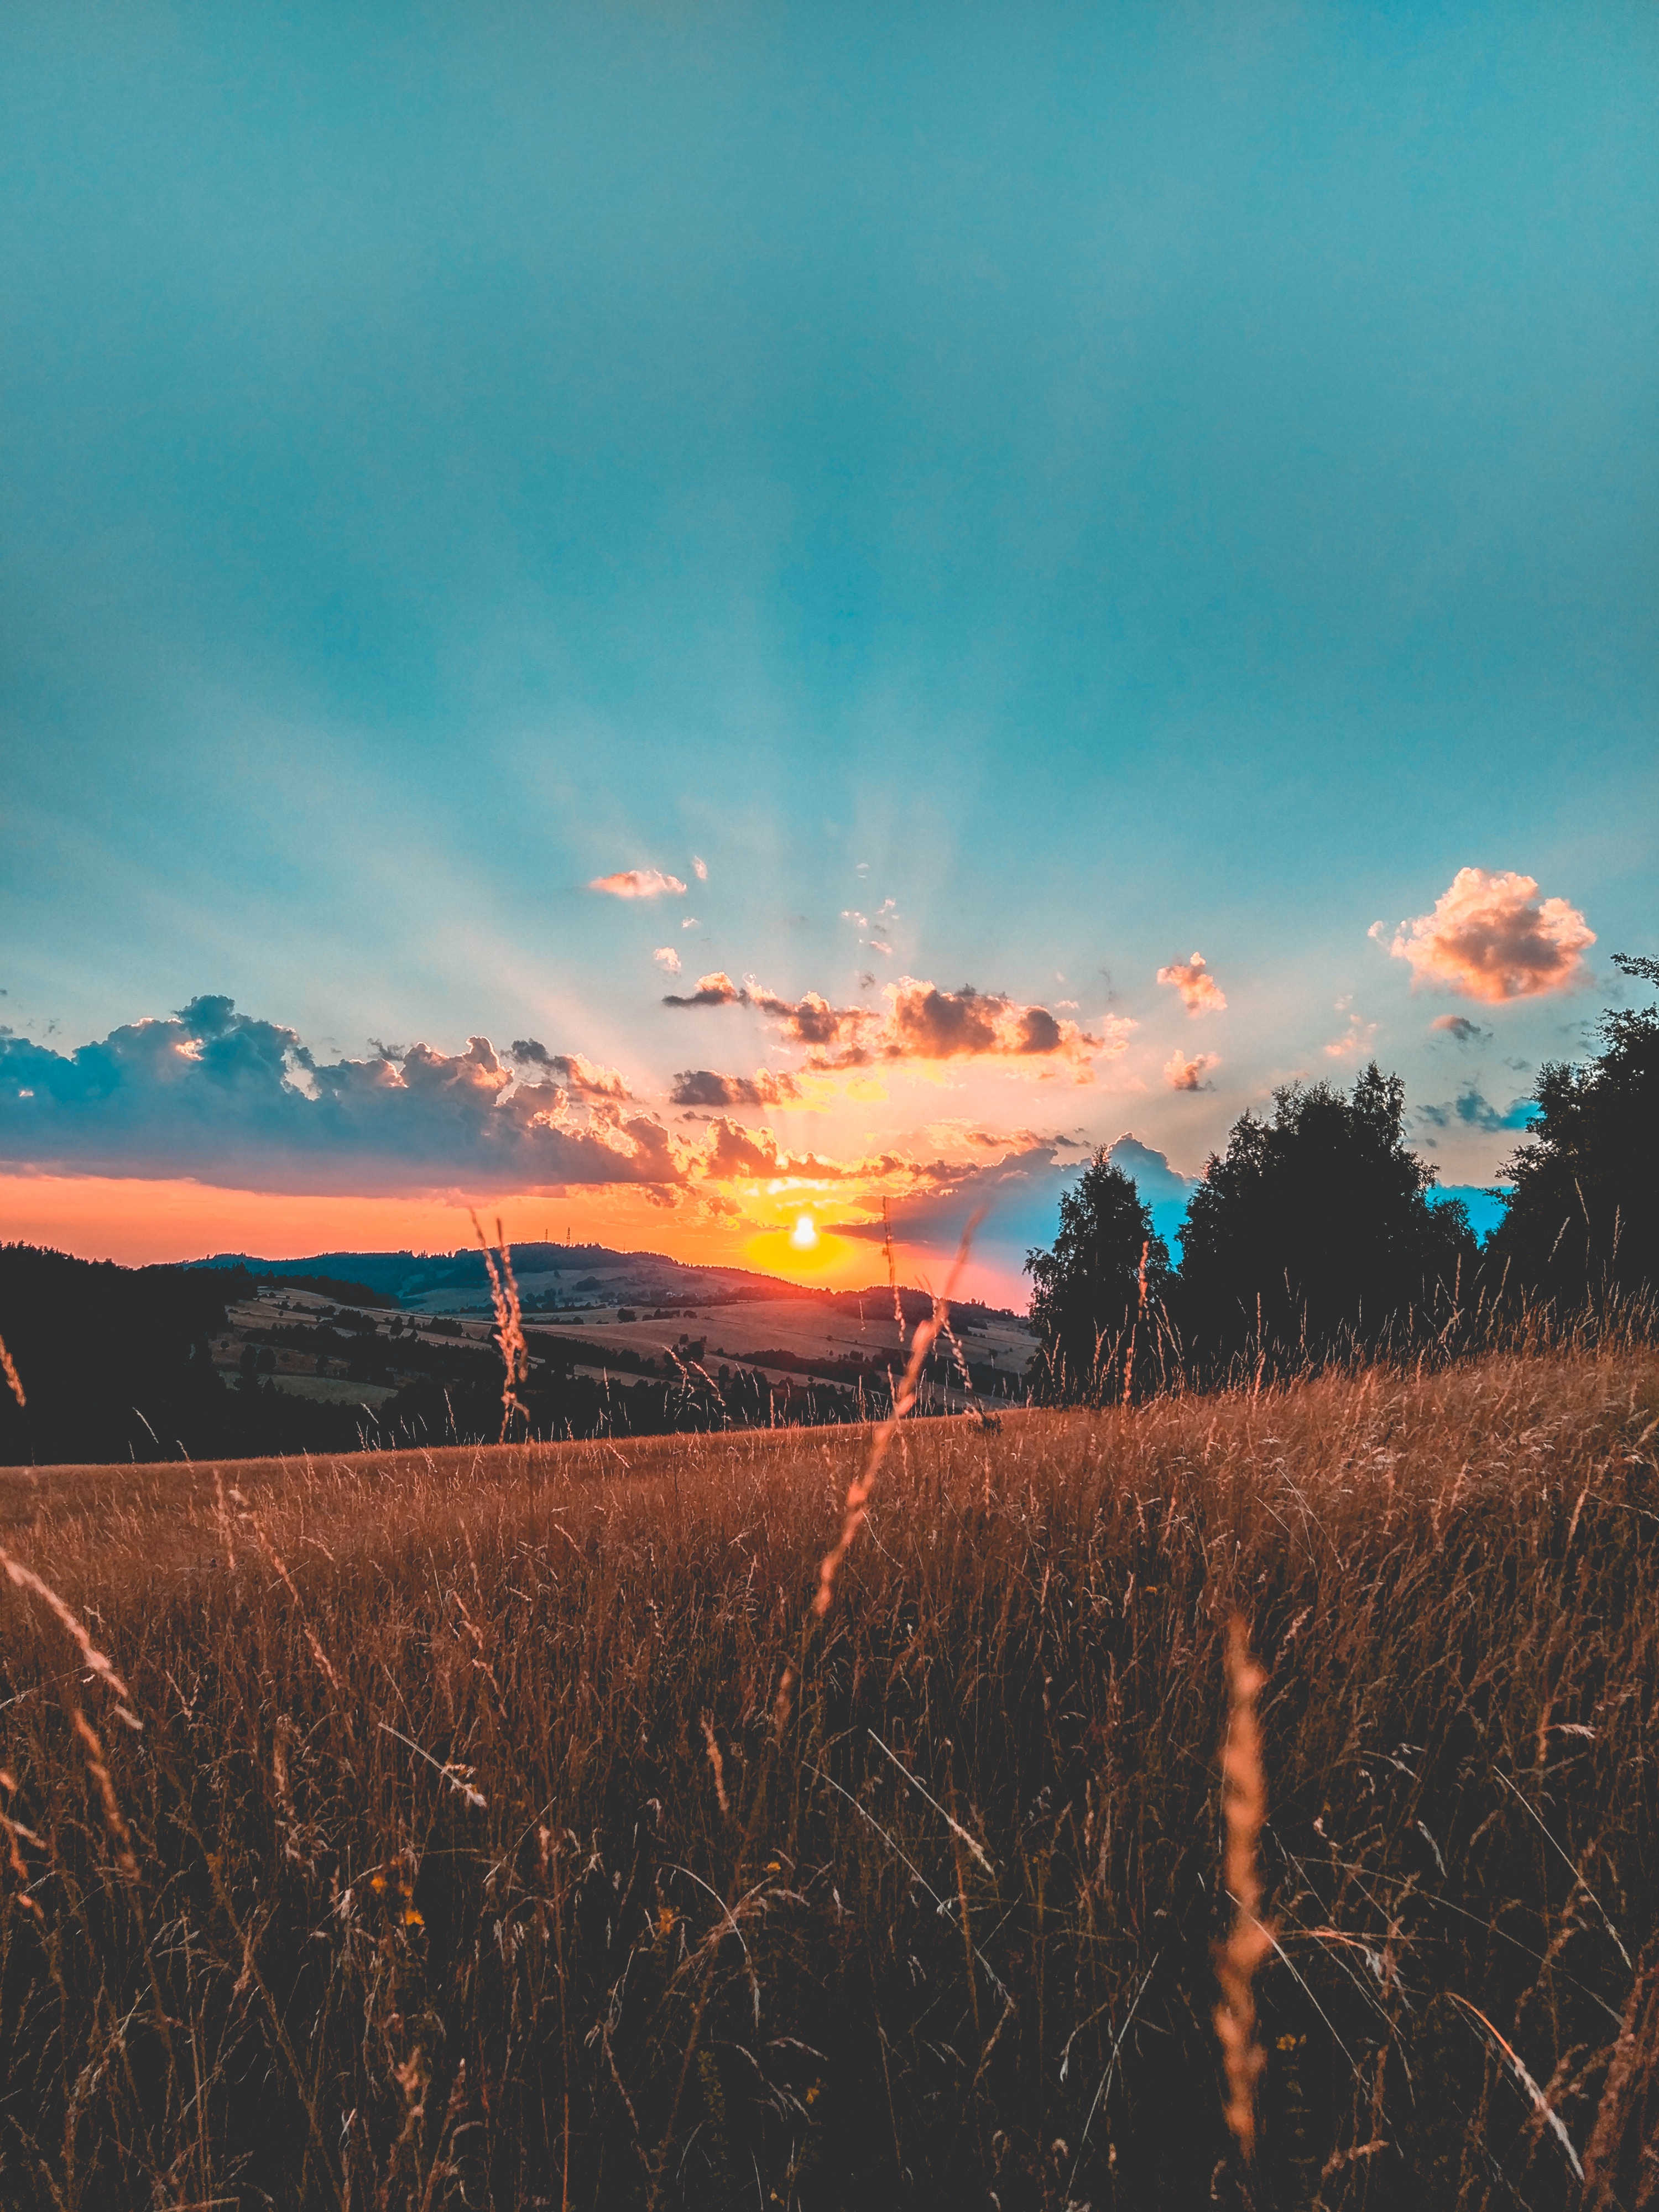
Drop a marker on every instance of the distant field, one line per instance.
(476, 1859)
(841, 1347)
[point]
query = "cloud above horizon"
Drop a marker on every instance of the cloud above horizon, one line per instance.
(1491, 938)
(1473, 1111)
(638, 883)
(701, 1086)
(1020, 1193)
(919, 1022)
(1199, 992)
(229, 1100)
(1460, 1027)
(579, 1075)
(1181, 1073)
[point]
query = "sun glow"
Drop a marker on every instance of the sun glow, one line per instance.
(804, 1235)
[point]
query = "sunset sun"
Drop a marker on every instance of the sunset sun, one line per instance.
(805, 1235)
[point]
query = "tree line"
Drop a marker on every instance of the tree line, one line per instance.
(1317, 1235)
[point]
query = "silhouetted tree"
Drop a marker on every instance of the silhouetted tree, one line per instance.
(1314, 1232)
(1088, 1308)
(1583, 1216)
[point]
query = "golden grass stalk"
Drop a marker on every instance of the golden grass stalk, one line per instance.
(859, 1490)
(8, 1367)
(1243, 1809)
(1140, 1316)
(27, 1579)
(226, 1530)
(892, 1268)
(718, 1764)
(509, 1322)
(14, 1830)
(1541, 2105)
(119, 1834)
(281, 1565)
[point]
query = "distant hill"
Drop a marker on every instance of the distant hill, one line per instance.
(551, 1276)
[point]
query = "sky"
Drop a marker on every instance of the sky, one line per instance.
(1041, 570)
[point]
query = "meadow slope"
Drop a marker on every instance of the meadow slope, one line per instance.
(460, 1849)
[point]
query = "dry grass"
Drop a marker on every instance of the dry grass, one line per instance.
(474, 1866)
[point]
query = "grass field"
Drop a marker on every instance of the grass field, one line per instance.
(461, 1851)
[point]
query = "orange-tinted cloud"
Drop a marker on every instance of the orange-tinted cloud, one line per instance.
(1199, 992)
(1491, 938)
(812, 1021)
(1183, 1074)
(667, 959)
(1358, 1038)
(735, 1154)
(582, 1076)
(919, 1022)
(716, 990)
(638, 883)
(701, 1086)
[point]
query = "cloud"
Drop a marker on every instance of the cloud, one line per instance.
(716, 990)
(1460, 1027)
(1183, 1074)
(233, 1101)
(583, 1077)
(1020, 1194)
(701, 1086)
(699, 867)
(1199, 992)
(667, 959)
(638, 883)
(1357, 1039)
(1150, 1171)
(1159, 1186)
(735, 1154)
(1491, 938)
(1474, 1112)
(919, 1022)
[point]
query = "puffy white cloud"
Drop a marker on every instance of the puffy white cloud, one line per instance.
(667, 959)
(1199, 992)
(1491, 938)
(638, 883)
(699, 867)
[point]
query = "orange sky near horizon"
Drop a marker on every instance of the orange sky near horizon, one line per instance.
(139, 1221)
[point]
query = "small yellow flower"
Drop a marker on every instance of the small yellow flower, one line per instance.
(377, 1882)
(774, 1866)
(411, 1918)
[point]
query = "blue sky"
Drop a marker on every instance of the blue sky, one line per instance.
(1106, 481)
